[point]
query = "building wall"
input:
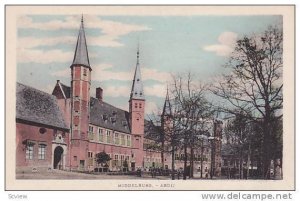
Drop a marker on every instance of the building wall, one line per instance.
(80, 87)
(65, 107)
(137, 113)
(27, 133)
(151, 159)
(137, 108)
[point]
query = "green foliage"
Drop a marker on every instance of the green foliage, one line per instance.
(102, 158)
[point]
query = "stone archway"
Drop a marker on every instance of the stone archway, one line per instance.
(58, 158)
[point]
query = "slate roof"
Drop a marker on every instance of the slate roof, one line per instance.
(81, 56)
(66, 90)
(167, 110)
(38, 107)
(137, 84)
(116, 119)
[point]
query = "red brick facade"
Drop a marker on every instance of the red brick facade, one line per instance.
(43, 141)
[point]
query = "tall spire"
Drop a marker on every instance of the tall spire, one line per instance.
(167, 105)
(81, 56)
(137, 84)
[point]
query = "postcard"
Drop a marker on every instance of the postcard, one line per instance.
(150, 97)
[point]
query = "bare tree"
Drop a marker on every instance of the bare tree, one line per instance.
(254, 86)
(165, 132)
(192, 111)
(240, 136)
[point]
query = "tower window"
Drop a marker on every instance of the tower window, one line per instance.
(138, 79)
(140, 105)
(84, 72)
(135, 105)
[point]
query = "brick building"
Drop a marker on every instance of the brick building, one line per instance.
(66, 129)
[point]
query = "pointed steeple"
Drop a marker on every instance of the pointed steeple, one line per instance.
(167, 105)
(137, 91)
(81, 56)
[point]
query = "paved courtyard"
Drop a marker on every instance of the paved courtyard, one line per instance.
(57, 174)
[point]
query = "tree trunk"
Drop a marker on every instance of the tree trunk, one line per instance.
(266, 156)
(201, 160)
(185, 162)
(173, 163)
(212, 162)
(192, 163)
(248, 161)
(241, 168)
(162, 153)
(267, 140)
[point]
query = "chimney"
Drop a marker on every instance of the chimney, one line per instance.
(99, 94)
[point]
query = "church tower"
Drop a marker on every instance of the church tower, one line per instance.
(137, 112)
(166, 124)
(167, 111)
(80, 100)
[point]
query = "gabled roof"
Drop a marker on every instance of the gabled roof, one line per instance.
(66, 90)
(61, 91)
(105, 115)
(38, 107)
(81, 56)
(137, 91)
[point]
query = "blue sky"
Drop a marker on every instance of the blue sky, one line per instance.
(168, 44)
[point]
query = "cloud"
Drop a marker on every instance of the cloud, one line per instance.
(117, 91)
(155, 90)
(111, 31)
(154, 74)
(151, 108)
(62, 73)
(225, 46)
(32, 42)
(102, 72)
(44, 57)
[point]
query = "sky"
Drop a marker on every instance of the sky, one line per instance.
(168, 45)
